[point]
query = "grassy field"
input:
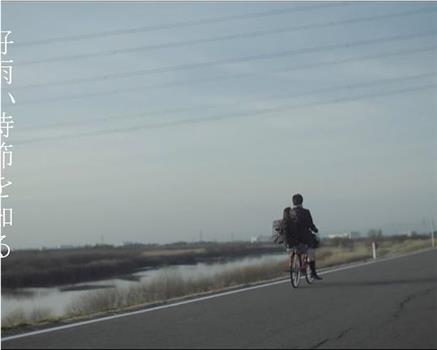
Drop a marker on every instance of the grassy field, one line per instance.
(168, 285)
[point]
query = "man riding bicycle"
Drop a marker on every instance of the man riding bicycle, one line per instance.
(299, 228)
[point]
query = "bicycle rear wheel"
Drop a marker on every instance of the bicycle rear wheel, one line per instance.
(295, 271)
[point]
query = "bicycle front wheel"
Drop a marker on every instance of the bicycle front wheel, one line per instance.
(295, 271)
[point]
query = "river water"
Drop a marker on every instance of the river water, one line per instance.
(57, 299)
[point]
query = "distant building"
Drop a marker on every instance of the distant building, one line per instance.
(346, 235)
(261, 239)
(339, 235)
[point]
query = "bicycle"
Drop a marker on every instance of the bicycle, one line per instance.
(300, 265)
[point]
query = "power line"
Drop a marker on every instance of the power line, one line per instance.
(252, 34)
(182, 24)
(266, 56)
(231, 77)
(178, 110)
(267, 110)
(133, 89)
(163, 112)
(234, 116)
(363, 58)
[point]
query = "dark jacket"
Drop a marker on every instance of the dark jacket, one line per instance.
(305, 225)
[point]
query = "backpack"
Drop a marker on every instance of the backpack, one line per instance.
(293, 229)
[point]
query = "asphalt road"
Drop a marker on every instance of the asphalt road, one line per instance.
(389, 304)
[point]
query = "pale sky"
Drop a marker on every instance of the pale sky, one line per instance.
(219, 115)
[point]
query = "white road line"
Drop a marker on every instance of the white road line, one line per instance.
(192, 301)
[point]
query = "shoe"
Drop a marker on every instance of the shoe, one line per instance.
(314, 274)
(316, 277)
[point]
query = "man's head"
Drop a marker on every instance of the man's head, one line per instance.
(297, 199)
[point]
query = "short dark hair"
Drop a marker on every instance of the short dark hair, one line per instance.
(297, 199)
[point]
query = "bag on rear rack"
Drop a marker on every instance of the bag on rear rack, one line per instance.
(278, 232)
(286, 231)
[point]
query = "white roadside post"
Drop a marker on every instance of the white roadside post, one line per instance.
(374, 250)
(432, 233)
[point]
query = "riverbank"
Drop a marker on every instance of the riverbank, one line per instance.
(169, 286)
(63, 267)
